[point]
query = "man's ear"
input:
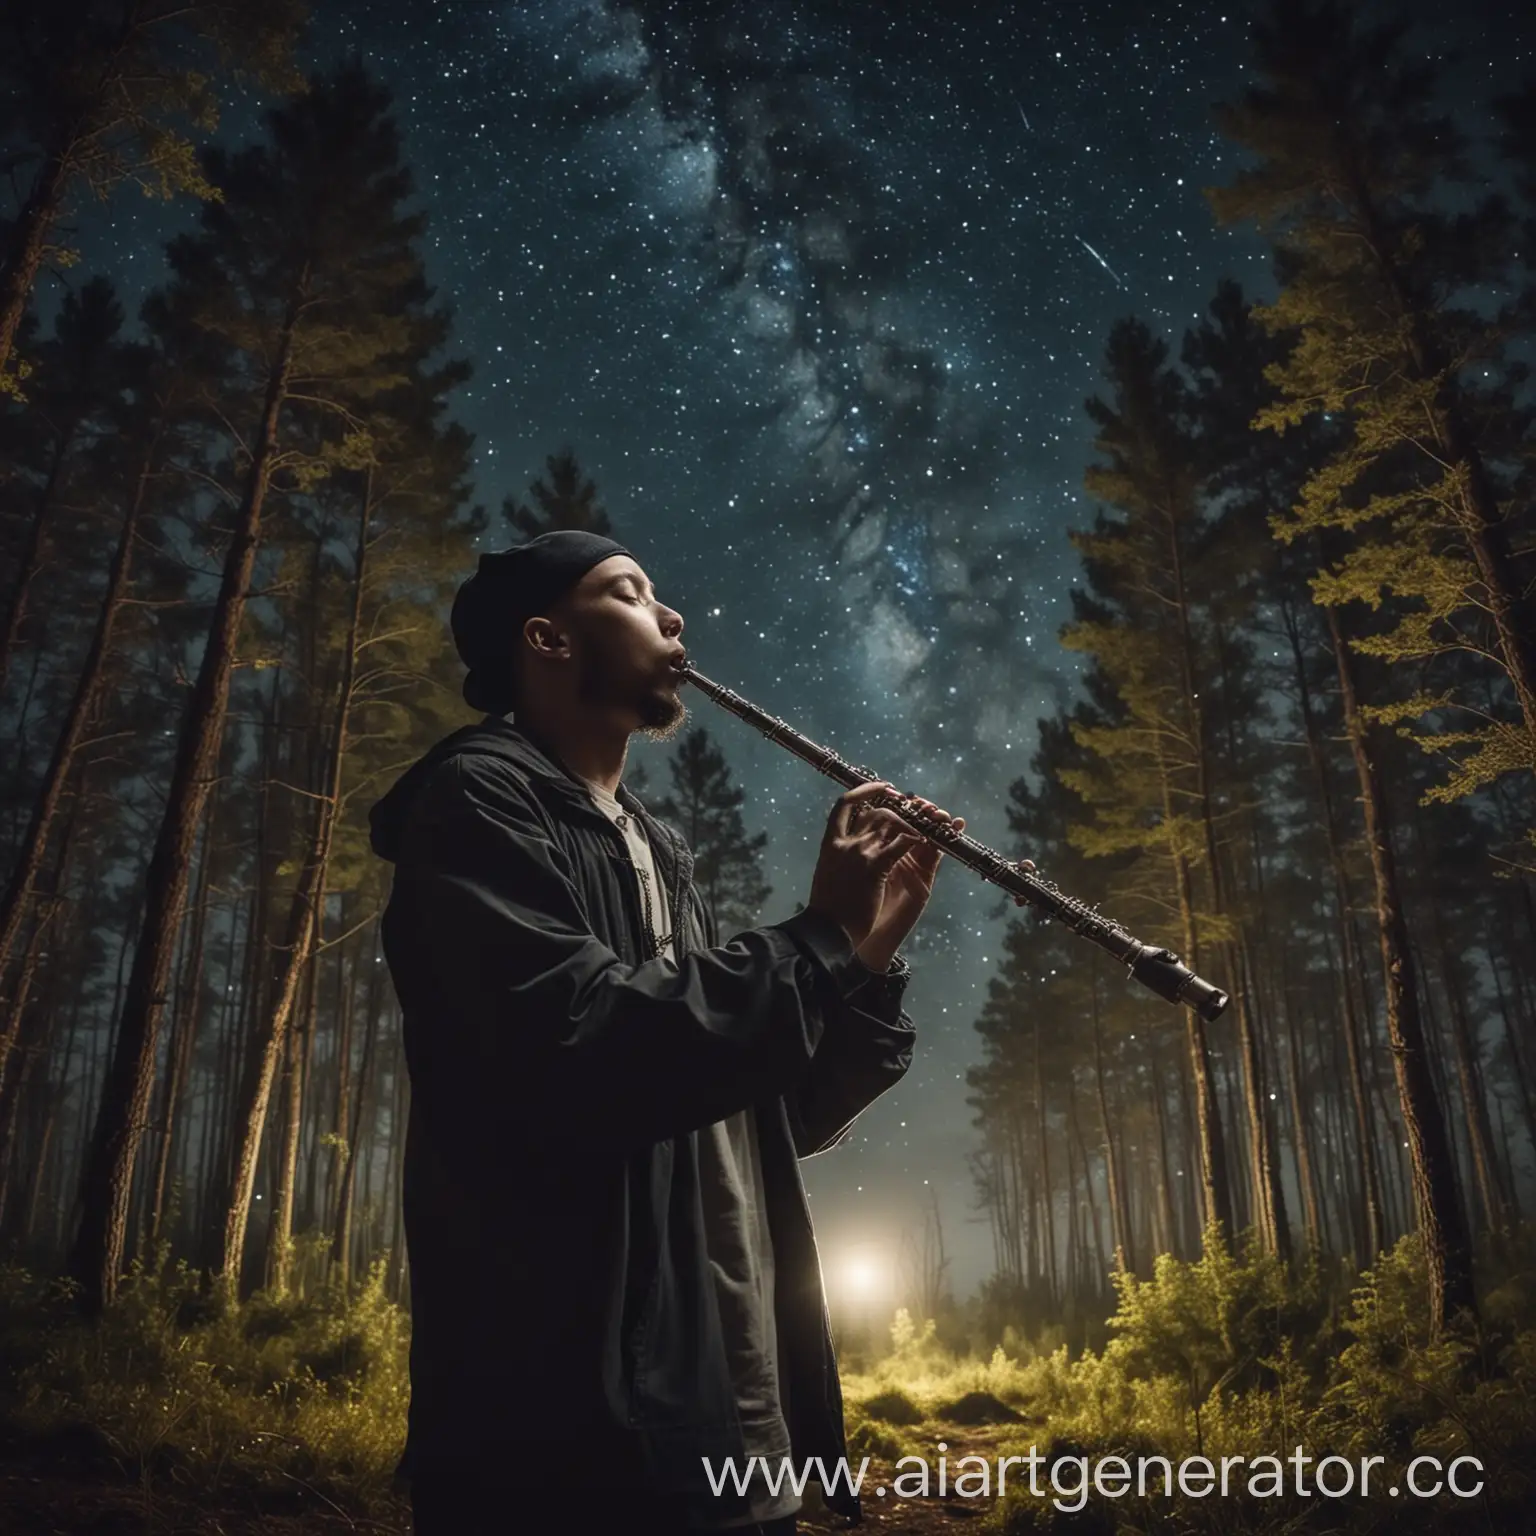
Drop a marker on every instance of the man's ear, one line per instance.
(546, 637)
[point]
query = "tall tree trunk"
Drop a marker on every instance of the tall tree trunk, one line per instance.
(1072, 1269)
(61, 765)
(57, 1092)
(398, 1116)
(341, 1125)
(1032, 1229)
(1517, 1065)
(1437, 1206)
(1505, 591)
(1260, 1155)
(341, 1249)
(1263, 1171)
(1165, 1173)
(1469, 1080)
(107, 1184)
(31, 554)
(280, 1223)
(1263, 1163)
(1306, 1175)
(1102, 1265)
(1370, 1174)
(303, 928)
(1043, 1155)
(13, 1092)
(25, 247)
(1124, 1255)
(1469, 1075)
(183, 1028)
(1214, 1183)
(1341, 1205)
(212, 1165)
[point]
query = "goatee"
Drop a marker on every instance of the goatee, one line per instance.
(662, 716)
(662, 712)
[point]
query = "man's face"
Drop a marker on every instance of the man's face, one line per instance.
(625, 642)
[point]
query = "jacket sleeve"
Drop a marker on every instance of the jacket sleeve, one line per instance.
(584, 1045)
(866, 1048)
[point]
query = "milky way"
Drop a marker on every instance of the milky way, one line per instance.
(806, 287)
(817, 292)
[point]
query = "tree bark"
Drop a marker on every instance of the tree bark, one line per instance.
(303, 928)
(28, 241)
(1437, 1206)
(183, 1030)
(1306, 1174)
(1477, 508)
(107, 1183)
(61, 764)
(16, 604)
(1370, 1174)
(1124, 1254)
(1043, 1156)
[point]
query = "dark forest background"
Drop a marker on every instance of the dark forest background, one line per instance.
(1303, 751)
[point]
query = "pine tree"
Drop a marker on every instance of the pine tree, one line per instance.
(1149, 790)
(704, 804)
(566, 499)
(306, 266)
(83, 372)
(1407, 505)
(1378, 285)
(98, 92)
(78, 411)
(409, 489)
(1046, 976)
(1258, 476)
(121, 481)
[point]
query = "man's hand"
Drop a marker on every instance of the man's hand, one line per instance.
(907, 889)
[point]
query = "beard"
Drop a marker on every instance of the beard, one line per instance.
(662, 716)
(604, 683)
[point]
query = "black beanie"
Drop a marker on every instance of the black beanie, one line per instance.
(509, 587)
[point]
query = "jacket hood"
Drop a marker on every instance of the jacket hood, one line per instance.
(499, 738)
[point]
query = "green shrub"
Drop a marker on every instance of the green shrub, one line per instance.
(870, 1437)
(1229, 1355)
(173, 1376)
(1226, 1355)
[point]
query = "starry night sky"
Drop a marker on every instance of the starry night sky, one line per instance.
(824, 345)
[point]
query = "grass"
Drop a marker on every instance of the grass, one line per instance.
(1231, 1356)
(268, 1395)
(1226, 1356)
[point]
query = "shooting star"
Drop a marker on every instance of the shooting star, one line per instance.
(1020, 105)
(1100, 260)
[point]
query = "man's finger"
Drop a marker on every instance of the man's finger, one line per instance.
(846, 804)
(881, 823)
(891, 853)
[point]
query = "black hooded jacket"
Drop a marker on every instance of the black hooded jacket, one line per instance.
(562, 1304)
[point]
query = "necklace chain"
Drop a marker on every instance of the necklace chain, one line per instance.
(657, 945)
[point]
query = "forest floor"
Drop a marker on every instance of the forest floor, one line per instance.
(46, 1496)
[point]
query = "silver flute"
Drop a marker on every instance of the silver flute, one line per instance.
(1158, 969)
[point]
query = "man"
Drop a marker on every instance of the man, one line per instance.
(613, 1273)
